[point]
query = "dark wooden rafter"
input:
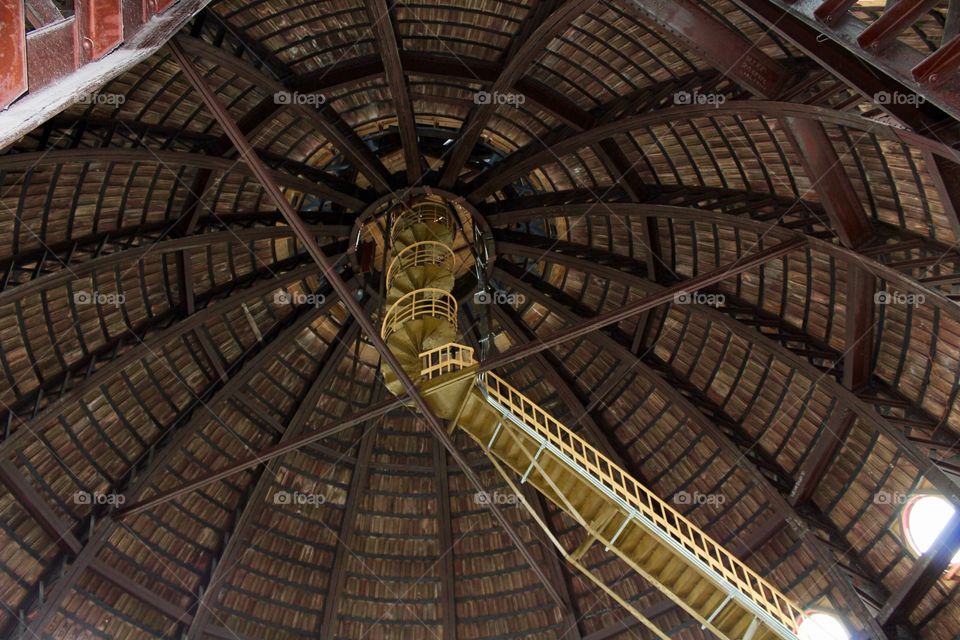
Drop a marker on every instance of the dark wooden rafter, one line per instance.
(817, 463)
(623, 173)
(34, 262)
(388, 44)
(61, 534)
(26, 161)
(448, 593)
(945, 174)
(848, 218)
(263, 57)
(130, 349)
(265, 455)
(829, 179)
(234, 544)
(133, 255)
(539, 153)
(719, 45)
(855, 51)
(193, 204)
(860, 321)
(925, 573)
(529, 246)
(327, 268)
(178, 434)
(327, 121)
(864, 258)
(212, 146)
(544, 27)
(348, 524)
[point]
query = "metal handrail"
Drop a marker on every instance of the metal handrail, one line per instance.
(421, 303)
(593, 463)
(426, 212)
(602, 470)
(445, 359)
(419, 254)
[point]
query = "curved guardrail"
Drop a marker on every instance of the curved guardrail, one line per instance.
(421, 303)
(420, 254)
(426, 212)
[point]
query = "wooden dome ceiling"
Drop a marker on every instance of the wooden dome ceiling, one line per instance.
(159, 319)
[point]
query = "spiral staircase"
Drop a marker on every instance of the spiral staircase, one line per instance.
(523, 441)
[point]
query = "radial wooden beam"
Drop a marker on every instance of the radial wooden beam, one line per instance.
(147, 343)
(624, 174)
(817, 462)
(544, 27)
(448, 570)
(526, 245)
(33, 503)
(170, 442)
(860, 321)
(924, 575)
(346, 295)
(343, 137)
(348, 526)
(247, 514)
(829, 179)
(538, 153)
(26, 161)
(388, 44)
(721, 46)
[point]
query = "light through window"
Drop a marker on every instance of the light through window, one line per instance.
(923, 519)
(820, 625)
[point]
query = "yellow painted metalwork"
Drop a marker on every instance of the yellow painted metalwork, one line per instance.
(717, 589)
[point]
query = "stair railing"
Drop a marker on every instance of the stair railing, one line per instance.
(420, 254)
(445, 359)
(668, 522)
(426, 212)
(420, 303)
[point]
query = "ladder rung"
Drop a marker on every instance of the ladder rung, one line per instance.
(717, 611)
(533, 463)
(623, 525)
(496, 432)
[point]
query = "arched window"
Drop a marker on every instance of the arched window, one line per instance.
(924, 518)
(822, 625)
